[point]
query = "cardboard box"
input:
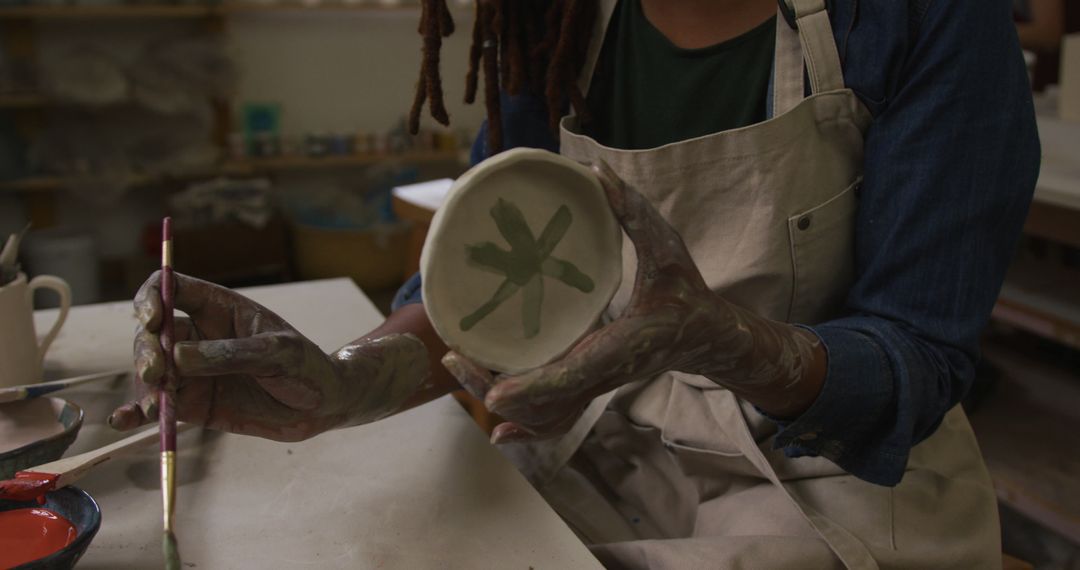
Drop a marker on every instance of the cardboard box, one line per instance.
(232, 252)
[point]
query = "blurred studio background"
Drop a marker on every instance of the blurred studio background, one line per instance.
(272, 131)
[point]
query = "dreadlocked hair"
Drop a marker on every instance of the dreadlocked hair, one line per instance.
(518, 45)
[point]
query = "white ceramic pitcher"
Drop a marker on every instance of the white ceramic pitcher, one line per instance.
(20, 354)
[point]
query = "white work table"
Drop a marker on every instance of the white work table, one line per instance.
(423, 489)
(1059, 175)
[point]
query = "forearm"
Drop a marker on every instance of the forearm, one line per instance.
(413, 319)
(395, 371)
(780, 368)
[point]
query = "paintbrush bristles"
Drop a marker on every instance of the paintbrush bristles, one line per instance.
(171, 551)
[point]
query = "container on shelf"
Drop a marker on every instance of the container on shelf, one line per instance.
(374, 257)
(317, 144)
(70, 254)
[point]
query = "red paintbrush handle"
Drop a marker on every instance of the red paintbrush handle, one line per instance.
(166, 404)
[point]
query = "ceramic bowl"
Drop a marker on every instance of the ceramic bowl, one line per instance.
(521, 260)
(33, 427)
(80, 509)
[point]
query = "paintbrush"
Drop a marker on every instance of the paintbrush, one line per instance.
(166, 402)
(34, 390)
(32, 483)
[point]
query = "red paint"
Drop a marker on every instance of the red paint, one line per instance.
(29, 534)
(28, 485)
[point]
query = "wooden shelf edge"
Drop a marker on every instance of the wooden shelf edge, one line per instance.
(292, 7)
(285, 163)
(163, 10)
(1035, 508)
(250, 167)
(1024, 429)
(1034, 320)
(105, 11)
(32, 184)
(22, 101)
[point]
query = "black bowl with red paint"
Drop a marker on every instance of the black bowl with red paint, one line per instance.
(78, 507)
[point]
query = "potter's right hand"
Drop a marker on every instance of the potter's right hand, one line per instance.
(241, 368)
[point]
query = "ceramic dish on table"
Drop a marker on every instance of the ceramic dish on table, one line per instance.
(71, 503)
(521, 260)
(36, 431)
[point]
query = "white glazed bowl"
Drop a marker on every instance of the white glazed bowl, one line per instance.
(466, 253)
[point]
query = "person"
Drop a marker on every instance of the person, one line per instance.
(821, 201)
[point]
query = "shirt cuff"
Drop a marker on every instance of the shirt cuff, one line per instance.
(854, 416)
(409, 294)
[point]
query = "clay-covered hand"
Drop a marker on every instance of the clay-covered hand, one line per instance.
(673, 322)
(241, 368)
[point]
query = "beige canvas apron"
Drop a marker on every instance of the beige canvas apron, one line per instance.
(678, 473)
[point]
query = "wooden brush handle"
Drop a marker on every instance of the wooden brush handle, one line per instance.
(70, 469)
(166, 403)
(40, 389)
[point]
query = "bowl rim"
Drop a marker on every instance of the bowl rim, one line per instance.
(74, 427)
(477, 174)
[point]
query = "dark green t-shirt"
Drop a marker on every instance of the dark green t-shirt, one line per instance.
(646, 92)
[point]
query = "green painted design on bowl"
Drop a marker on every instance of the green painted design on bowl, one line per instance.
(525, 265)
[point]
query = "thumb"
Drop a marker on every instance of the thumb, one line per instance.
(264, 354)
(656, 243)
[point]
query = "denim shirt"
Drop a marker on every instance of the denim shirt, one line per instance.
(951, 161)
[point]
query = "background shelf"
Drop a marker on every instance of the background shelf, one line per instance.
(285, 163)
(1026, 431)
(1043, 299)
(104, 11)
(22, 101)
(160, 11)
(252, 167)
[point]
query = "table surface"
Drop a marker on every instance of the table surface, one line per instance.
(423, 489)
(1059, 175)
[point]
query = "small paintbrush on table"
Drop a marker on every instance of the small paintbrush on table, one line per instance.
(166, 400)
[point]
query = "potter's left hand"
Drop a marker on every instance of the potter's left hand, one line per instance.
(242, 368)
(673, 322)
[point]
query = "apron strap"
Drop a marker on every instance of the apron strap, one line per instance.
(787, 88)
(600, 24)
(540, 461)
(819, 45)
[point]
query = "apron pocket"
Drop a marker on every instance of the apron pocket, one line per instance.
(822, 254)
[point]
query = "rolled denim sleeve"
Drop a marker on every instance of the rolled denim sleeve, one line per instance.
(408, 294)
(951, 162)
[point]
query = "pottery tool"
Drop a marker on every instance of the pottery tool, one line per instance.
(36, 481)
(166, 402)
(28, 391)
